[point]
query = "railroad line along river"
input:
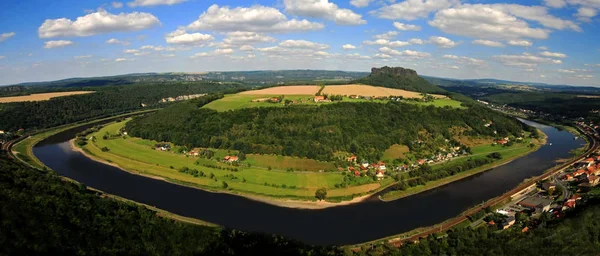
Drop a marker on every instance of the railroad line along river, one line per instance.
(349, 224)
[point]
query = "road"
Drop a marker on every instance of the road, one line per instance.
(561, 184)
(593, 138)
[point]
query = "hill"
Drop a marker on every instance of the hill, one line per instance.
(399, 78)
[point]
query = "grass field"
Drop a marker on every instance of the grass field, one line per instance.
(394, 152)
(41, 96)
(285, 162)
(286, 90)
(134, 154)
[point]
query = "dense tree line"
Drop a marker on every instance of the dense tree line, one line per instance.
(42, 214)
(366, 129)
(406, 82)
(106, 101)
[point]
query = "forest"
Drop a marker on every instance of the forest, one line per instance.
(43, 214)
(106, 101)
(366, 129)
(399, 78)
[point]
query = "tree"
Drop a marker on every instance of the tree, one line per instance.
(321, 193)
(225, 185)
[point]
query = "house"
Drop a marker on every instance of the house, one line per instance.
(578, 172)
(1, 132)
(569, 205)
(162, 147)
(274, 100)
(508, 222)
(194, 152)
(353, 96)
(589, 160)
(233, 159)
(525, 229)
(421, 161)
(382, 166)
(575, 197)
(380, 175)
(502, 142)
(351, 169)
(319, 98)
(365, 164)
(351, 159)
(592, 180)
(357, 173)
(568, 177)
(547, 186)
(536, 204)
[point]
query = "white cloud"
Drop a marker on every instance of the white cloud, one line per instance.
(412, 9)
(524, 60)
(97, 23)
(386, 35)
(584, 77)
(117, 5)
(348, 47)
(382, 56)
(553, 54)
(131, 51)
(568, 71)
(385, 42)
(360, 3)
(406, 53)
(116, 41)
(246, 48)
(123, 59)
(586, 3)
(242, 38)
(406, 27)
(181, 37)
(465, 60)
(498, 21)
(416, 41)
(488, 43)
(555, 3)
(323, 9)
(5, 36)
(356, 56)
(303, 44)
(524, 43)
(216, 52)
(2, 57)
(543, 48)
(154, 2)
(83, 57)
(256, 19)
(168, 55)
(57, 44)
(161, 48)
(442, 42)
(586, 13)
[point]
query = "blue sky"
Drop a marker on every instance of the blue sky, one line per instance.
(550, 41)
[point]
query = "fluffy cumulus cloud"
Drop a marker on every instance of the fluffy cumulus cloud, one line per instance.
(244, 38)
(555, 3)
(406, 53)
(83, 57)
(97, 23)
(416, 41)
(553, 54)
(154, 2)
(57, 44)
(246, 48)
(586, 13)
(385, 42)
(524, 60)
(256, 19)
(217, 52)
(303, 44)
(442, 42)
(489, 43)
(348, 47)
(386, 35)
(181, 37)
(117, 5)
(116, 41)
(323, 9)
(300, 48)
(499, 21)
(524, 43)
(360, 3)
(406, 27)
(568, 71)
(5, 36)
(412, 9)
(465, 60)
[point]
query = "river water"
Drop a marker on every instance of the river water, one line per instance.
(356, 223)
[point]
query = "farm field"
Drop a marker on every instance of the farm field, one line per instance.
(134, 154)
(286, 90)
(41, 96)
(368, 90)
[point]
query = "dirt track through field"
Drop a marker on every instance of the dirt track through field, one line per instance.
(41, 96)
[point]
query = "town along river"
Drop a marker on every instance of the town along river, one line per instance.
(356, 223)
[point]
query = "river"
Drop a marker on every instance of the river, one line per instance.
(350, 224)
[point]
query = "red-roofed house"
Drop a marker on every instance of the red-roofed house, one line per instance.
(226, 158)
(356, 173)
(421, 161)
(380, 175)
(569, 205)
(589, 160)
(568, 177)
(351, 159)
(233, 159)
(502, 142)
(319, 98)
(578, 173)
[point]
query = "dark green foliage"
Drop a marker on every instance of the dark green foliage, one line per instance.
(495, 155)
(407, 81)
(366, 129)
(42, 214)
(426, 173)
(106, 101)
(321, 193)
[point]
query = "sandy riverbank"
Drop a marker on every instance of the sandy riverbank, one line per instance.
(289, 203)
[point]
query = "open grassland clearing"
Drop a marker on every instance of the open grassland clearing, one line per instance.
(41, 96)
(133, 155)
(285, 162)
(373, 91)
(394, 152)
(240, 100)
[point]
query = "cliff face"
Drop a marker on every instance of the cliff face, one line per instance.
(397, 71)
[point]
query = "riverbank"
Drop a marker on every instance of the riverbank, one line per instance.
(395, 195)
(288, 203)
